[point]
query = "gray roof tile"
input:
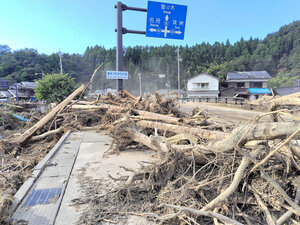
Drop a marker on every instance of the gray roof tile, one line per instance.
(6, 94)
(248, 75)
(286, 90)
(4, 84)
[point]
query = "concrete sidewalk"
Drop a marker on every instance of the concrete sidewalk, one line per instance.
(47, 196)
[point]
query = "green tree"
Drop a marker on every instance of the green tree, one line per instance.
(55, 87)
(282, 80)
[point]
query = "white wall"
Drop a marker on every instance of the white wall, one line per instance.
(213, 83)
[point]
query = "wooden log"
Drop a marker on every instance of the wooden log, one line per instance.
(157, 116)
(44, 135)
(205, 134)
(261, 131)
(27, 134)
(126, 93)
(85, 107)
(156, 143)
(84, 102)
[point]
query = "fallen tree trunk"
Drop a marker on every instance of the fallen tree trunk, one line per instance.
(126, 93)
(205, 134)
(166, 118)
(42, 136)
(27, 134)
(156, 143)
(262, 131)
(155, 116)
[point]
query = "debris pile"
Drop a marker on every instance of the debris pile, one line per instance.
(17, 161)
(272, 103)
(206, 171)
(203, 175)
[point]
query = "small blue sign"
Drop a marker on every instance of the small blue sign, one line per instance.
(117, 75)
(166, 20)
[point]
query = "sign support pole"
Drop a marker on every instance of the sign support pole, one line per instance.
(119, 53)
(178, 68)
(163, 12)
(120, 31)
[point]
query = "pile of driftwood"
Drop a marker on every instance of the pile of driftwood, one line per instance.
(207, 171)
(272, 103)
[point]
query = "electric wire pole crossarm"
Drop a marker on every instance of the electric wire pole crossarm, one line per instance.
(120, 31)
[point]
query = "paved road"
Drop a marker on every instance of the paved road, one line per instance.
(225, 112)
(46, 198)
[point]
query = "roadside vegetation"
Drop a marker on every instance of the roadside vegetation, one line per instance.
(55, 87)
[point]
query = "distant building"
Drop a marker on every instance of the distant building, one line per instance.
(4, 84)
(250, 85)
(25, 90)
(203, 85)
(288, 90)
(5, 96)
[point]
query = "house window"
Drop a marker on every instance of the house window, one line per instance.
(200, 85)
(240, 84)
(258, 84)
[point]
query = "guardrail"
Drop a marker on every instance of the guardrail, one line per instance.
(235, 100)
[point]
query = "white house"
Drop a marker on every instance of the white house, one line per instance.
(203, 85)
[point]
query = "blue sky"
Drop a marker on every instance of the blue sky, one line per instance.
(72, 25)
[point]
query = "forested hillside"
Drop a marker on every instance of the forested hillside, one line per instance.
(278, 53)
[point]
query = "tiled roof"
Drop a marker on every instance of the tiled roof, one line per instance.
(248, 75)
(20, 94)
(4, 84)
(286, 90)
(29, 84)
(6, 94)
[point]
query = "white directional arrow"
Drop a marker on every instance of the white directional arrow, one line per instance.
(152, 29)
(167, 17)
(178, 32)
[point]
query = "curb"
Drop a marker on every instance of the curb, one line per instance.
(37, 170)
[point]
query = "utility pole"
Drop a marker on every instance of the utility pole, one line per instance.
(140, 78)
(178, 60)
(17, 93)
(60, 62)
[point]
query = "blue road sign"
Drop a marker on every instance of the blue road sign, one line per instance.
(117, 75)
(165, 20)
